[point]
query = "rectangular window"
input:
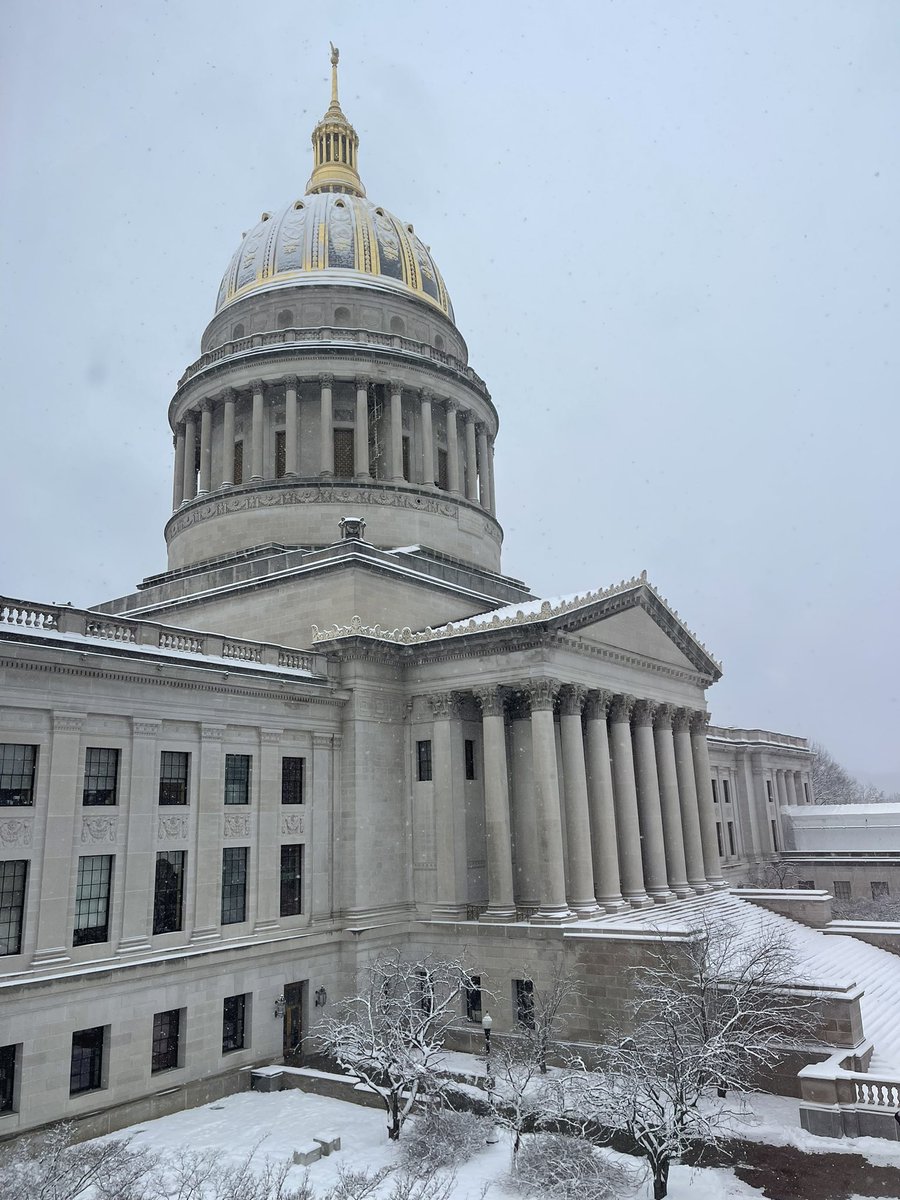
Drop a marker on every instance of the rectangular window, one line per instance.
(443, 475)
(166, 1040)
(168, 892)
(726, 796)
(806, 791)
(238, 463)
(13, 876)
(406, 458)
(234, 885)
(774, 835)
(292, 880)
(17, 774)
(473, 999)
(769, 794)
(92, 899)
(101, 773)
(523, 995)
(86, 1068)
(806, 885)
(237, 778)
(293, 779)
(234, 1014)
(715, 791)
(732, 847)
(8, 1056)
(842, 889)
(469, 748)
(280, 454)
(173, 777)
(423, 761)
(880, 890)
(719, 839)
(344, 463)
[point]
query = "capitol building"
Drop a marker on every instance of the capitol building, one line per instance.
(333, 725)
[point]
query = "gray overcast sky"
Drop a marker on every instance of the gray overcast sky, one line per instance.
(670, 231)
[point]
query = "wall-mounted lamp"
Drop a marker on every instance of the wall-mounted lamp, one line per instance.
(321, 998)
(279, 1008)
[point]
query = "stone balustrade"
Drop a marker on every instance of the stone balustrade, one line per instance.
(62, 620)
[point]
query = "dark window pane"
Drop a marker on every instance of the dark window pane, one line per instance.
(469, 747)
(842, 889)
(13, 876)
(732, 848)
(173, 777)
(293, 771)
(166, 1036)
(17, 774)
(101, 772)
(168, 891)
(344, 465)
(233, 1023)
(7, 1078)
(525, 1002)
(443, 478)
(238, 463)
(406, 458)
(291, 880)
(715, 791)
(234, 884)
(280, 454)
(92, 899)
(423, 761)
(473, 999)
(86, 1070)
(237, 778)
(719, 839)
(725, 792)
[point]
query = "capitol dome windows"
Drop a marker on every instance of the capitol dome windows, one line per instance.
(237, 332)
(342, 316)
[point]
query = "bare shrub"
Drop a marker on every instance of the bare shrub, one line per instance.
(554, 1167)
(51, 1165)
(440, 1137)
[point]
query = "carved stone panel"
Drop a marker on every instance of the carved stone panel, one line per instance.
(172, 827)
(98, 829)
(237, 825)
(15, 832)
(292, 823)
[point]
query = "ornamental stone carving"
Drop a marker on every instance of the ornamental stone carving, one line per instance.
(15, 832)
(444, 705)
(171, 827)
(322, 741)
(621, 708)
(597, 704)
(290, 381)
(212, 733)
(490, 700)
(542, 693)
(98, 829)
(270, 737)
(571, 700)
(681, 719)
(237, 825)
(699, 722)
(292, 823)
(326, 380)
(68, 722)
(662, 718)
(147, 729)
(643, 712)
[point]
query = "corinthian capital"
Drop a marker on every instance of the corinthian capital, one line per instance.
(571, 700)
(662, 718)
(681, 719)
(490, 700)
(542, 693)
(326, 381)
(643, 712)
(443, 705)
(597, 705)
(699, 721)
(621, 708)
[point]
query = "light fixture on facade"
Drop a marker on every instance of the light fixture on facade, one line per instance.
(279, 1008)
(321, 998)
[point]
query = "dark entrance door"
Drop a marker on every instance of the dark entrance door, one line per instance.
(292, 1037)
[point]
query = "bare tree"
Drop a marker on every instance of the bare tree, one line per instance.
(714, 1012)
(52, 1165)
(833, 784)
(392, 1033)
(779, 873)
(554, 1167)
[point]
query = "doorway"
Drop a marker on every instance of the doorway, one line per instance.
(294, 1023)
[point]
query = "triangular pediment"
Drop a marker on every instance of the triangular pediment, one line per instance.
(634, 632)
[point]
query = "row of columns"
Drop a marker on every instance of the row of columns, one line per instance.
(789, 787)
(618, 809)
(477, 444)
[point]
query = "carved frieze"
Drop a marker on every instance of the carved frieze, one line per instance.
(147, 729)
(212, 733)
(171, 827)
(98, 828)
(292, 823)
(237, 825)
(270, 737)
(15, 832)
(68, 722)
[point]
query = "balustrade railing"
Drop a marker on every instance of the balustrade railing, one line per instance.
(62, 619)
(877, 1092)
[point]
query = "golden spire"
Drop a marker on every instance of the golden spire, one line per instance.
(335, 146)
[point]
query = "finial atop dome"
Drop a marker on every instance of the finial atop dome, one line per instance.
(335, 146)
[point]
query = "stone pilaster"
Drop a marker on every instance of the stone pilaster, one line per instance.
(258, 430)
(524, 809)
(228, 438)
(210, 816)
(326, 426)
(361, 438)
(670, 808)
(687, 801)
(578, 824)
(451, 881)
(484, 487)
(268, 813)
(492, 494)
(291, 444)
(190, 457)
(140, 857)
(452, 447)
(178, 487)
(554, 907)
(397, 433)
(319, 828)
(601, 806)
(703, 776)
(631, 871)
(790, 787)
(471, 458)
(653, 851)
(501, 904)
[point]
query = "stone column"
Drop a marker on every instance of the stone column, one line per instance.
(703, 776)
(141, 843)
(208, 853)
(653, 851)
(290, 425)
(268, 815)
(601, 806)
(397, 433)
(482, 461)
(471, 458)
(580, 889)
(54, 935)
(361, 440)
(450, 897)
(452, 447)
(228, 439)
(554, 908)
(801, 793)
(687, 801)
(205, 446)
(525, 819)
(178, 488)
(790, 787)
(631, 871)
(670, 807)
(326, 427)
(780, 788)
(190, 457)
(492, 495)
(258, 434)
(501, 905)
(427, 439)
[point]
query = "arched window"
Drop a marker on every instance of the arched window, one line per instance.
(237, 332)
(342, 316)
(438, 342)
(398, 325)
(285, 318)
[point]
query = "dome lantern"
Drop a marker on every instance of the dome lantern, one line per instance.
(335, 146)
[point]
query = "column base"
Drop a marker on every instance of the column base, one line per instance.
(51, 957)
(255, 479)
(718, 885)
(266, 926)
(326, 474)
(702, 888)
(586, 909)
(448, 912)
(658, 896)
(682, 890)
(498, 915)
(553, 915)
(206, 935)
(612, 904)
(638, 900)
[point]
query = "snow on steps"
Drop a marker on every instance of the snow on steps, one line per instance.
(826, 960)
